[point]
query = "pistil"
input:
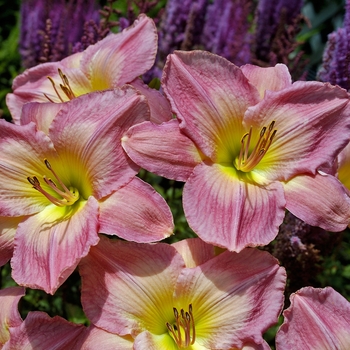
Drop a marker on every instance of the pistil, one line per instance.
(247, 162)
(65, 87)
(183, 330)
(68, 195)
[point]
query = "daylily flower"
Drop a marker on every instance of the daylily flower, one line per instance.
(112, 62)
(182, 295)
(316, 319)
(65, 183)
(241, 136)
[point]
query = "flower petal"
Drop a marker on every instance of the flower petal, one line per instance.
(162, 149)
(97, 338)
(41, 332)
(128, 288)
(319, 200)
(8, 227)
(230, 212)
(159, 106)
(9, 315)
(87, 132)
(30, 86)
(317, 319)
(22, 150)
(122, 57)
(194, 251)
(235, 297)
(312, 120)
(136, 212)
(268, 78)
(42, 114)
(50, 244)
(209, 95)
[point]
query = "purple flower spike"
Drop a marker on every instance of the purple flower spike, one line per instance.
(270, 15)
(335, 66)
(51, 29)
(226, 30)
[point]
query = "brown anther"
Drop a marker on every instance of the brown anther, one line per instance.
(184, 326)
(248, 161)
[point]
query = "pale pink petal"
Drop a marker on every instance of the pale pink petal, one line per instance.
(312, 120)
(136, 212)
(230, 212)
(87, 133)
(50, 244)
(159, 106)
(317, 319)
(235, 297)
(122, 57)
(194, 251)
(343, 170)
(42, 114)
(8, 227)
(209, 95)
(97, 338)
(23, 151)
(41, 332)
(319, 200)
(31, 85)
(9, 315)
(122, 292)
(268, 78)
(162, 149)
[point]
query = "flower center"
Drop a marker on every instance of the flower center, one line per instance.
(183, 329)
(65, 87)
(68, 196)
(248, 161)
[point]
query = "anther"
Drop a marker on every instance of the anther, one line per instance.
(68, 196)
(184, 327)
(247, 162)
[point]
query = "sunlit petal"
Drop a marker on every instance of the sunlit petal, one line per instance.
(120, 58)
(136, 212)
(268, 78)
(58, 239)
(317, 319)
(162, 149)
(227, 211)
(319, 200)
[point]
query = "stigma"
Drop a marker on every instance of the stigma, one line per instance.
(183, 329)
(247, 161)
(65, 88)
(67, 196)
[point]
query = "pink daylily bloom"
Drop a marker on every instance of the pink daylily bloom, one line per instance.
(112, 62)
(182, 295)
(64, 184)
(9, 315)
(240, 137)
(316, 319)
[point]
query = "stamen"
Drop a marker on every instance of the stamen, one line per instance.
(65, 87)
(69, 196)
(184, 326)
(245, 162)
